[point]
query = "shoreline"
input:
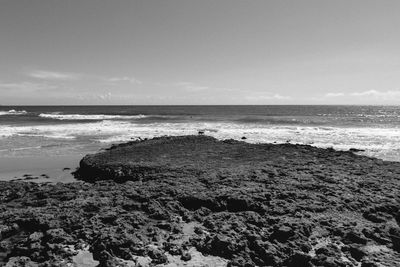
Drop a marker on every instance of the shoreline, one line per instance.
(255, 204)
(56, 168)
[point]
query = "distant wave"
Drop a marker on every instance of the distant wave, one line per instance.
(13, 112)
(58, 116)
(281, 120)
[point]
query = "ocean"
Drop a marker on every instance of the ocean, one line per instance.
(34, 137)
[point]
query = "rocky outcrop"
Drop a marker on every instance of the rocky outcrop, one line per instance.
(172, 199)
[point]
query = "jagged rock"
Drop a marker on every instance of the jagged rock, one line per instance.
(283, 233)
(157, 256)
(357, 253)
(355, 237)
(186, 256)
(252, 204)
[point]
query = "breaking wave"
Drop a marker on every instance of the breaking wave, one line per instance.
(58, 116)
(13, 112)
(379, 142)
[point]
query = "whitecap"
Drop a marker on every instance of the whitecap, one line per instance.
(59, 116)
(13, 112)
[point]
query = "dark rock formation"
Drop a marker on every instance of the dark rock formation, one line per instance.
(356, 150)
(251, 204)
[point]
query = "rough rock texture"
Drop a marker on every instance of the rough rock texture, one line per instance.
(244, 204)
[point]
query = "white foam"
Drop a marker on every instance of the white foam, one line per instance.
(65, 131)
(380, 142)
(13, 112)
(59, 116)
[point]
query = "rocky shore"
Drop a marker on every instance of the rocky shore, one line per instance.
(197, 201)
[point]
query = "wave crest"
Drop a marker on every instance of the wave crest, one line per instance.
(58, 116)
(13, 112)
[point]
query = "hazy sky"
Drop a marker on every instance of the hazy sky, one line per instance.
(199, 52)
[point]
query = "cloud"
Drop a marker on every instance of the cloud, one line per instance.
(373, 94)
(334, 94)
(105, 96)
(366, 93)
(379, 94)
(280, 97)
(132, 80)
(261, 97)
(26, 86)
(193, 87)
(52, 75)
(189, 86)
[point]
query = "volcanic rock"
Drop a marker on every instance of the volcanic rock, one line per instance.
(238, 203)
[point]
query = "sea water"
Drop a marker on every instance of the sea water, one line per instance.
(72, 131)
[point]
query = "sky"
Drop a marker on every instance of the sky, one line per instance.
(187, 52)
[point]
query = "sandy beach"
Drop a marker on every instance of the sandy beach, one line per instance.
(39, 168)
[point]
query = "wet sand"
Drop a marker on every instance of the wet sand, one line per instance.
(57, 168)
